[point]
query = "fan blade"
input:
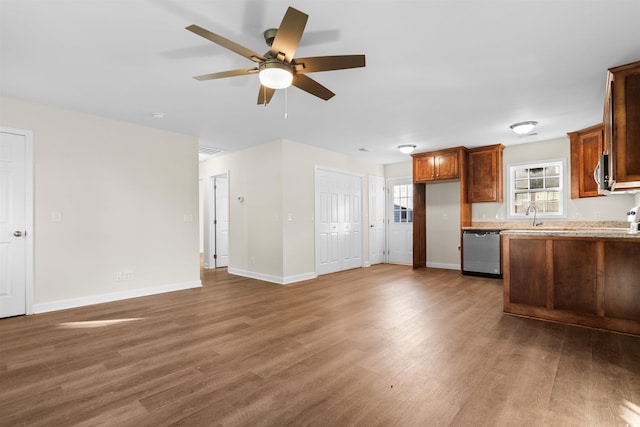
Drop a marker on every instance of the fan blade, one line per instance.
(311, 86)
(226, 43)
(265, 95)
(327, 63)
(230, 73)
(289, 35)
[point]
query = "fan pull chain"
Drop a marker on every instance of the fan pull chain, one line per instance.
(286, 102)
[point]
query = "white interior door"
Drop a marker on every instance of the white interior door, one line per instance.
(222, 221)
(13, 225)
(327, 195)
(376, 220)
(400, 219)
(350, 222)
(338, 221)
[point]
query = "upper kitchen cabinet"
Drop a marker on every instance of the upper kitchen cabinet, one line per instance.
(437, 165)
(485, 174)
(622, 125)
(586, 147)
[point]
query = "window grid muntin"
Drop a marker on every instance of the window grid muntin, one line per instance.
(540, 183)
(402, 203)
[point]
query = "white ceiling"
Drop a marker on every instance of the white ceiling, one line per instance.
(438, 74)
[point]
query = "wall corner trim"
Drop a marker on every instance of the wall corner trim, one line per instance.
(115, 296)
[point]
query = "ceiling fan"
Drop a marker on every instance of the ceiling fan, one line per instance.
(278, 69)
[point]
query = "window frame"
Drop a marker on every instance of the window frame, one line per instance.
(562, 189)
(406, 211)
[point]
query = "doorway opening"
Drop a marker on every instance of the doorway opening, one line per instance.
(216, 227)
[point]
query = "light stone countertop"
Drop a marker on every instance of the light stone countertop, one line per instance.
(602, 229)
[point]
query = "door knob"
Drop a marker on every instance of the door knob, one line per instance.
(17, 233)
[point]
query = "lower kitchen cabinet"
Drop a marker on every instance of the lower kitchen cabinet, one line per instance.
(623, 269)
(585, 281)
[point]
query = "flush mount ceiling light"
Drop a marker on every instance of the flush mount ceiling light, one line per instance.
(523, 128)
(275, 75)
(406, 148)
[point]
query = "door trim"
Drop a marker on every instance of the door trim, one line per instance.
(28, 184)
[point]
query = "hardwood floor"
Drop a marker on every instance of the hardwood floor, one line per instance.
(379, 346)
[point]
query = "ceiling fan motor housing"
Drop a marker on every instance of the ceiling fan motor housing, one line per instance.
(269, 35)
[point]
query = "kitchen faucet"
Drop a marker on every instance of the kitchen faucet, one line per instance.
(535, 223)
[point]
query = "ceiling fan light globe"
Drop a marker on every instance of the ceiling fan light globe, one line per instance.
(275, 75)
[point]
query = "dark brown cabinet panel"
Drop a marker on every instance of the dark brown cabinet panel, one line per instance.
(485, 174)
(575, 276)
(622, 266)
(622, 125)
(528, 280)
(586, 147)
(588, 281)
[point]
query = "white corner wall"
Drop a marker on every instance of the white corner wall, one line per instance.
(255, 222)
(277, 182)
(127, 196)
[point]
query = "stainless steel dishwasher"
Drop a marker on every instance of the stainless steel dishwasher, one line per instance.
(481, 253)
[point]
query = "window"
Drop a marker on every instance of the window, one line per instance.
(540, 184)
(403, 203)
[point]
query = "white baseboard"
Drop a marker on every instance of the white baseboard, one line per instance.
(271, 278)
(115, 296)
(445, 266)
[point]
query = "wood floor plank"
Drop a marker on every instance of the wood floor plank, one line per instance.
(384, 345)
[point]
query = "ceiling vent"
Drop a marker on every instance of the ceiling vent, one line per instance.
(205, 152)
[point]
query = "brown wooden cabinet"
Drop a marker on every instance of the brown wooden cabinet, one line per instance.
(428, 168)
(586, 147)
(437, 165)
(485, 174)
(588, 281)
(622, 125)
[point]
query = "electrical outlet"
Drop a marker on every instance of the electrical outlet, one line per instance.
(127, 275)
(119, 276)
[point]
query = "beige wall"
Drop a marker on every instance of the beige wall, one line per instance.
(443, 225)
(610, 208)
(123, 192)
(398, 170)
(277, 179)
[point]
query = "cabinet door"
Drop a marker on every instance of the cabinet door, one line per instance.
(586, 147)
(574, 276)
(527, 272)
(626, 126)
(447, 166)
(485, 174)
(424, 168)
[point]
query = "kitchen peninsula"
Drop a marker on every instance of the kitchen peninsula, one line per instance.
(582, 276)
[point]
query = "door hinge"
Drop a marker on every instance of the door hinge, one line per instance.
(215, 221)
(215, 256)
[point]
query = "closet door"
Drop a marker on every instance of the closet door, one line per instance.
(338, 221)
(327, 196)
(350, 246)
